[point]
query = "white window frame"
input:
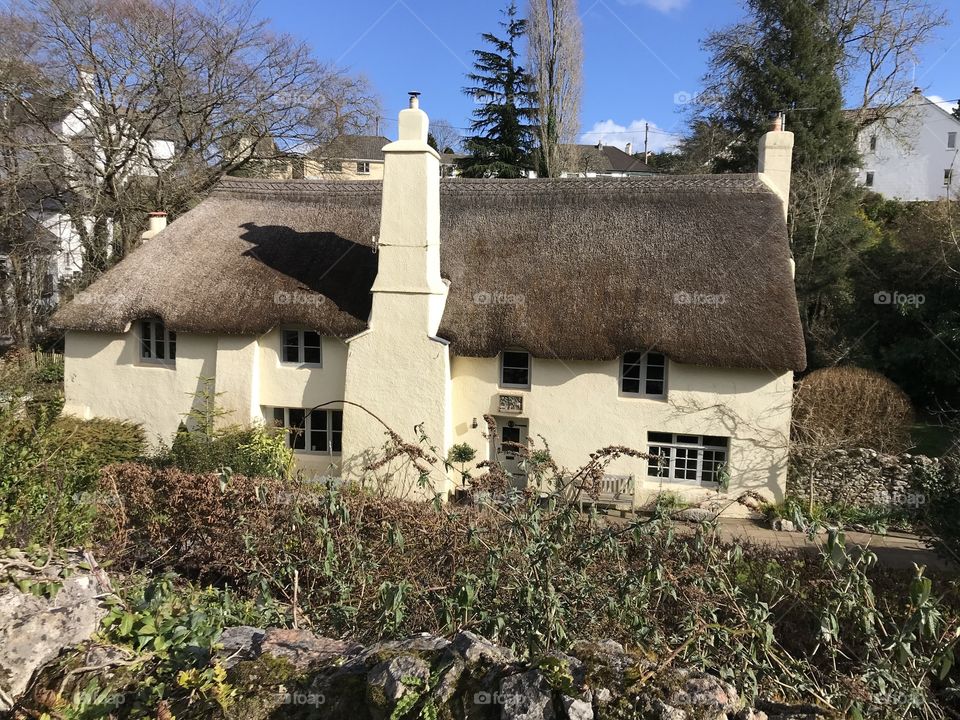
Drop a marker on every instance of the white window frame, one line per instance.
(271, 418)
(168, 341)
(301, 348)
(947, 177)
(363, 167)
(951, 140)
(642, 393)
(869, 178)
(700, 446)
(503, 367)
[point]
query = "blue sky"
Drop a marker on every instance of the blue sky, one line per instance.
(642, 58)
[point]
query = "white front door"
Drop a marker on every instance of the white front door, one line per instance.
(513, 432)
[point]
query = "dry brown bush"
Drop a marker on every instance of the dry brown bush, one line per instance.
(848, 407)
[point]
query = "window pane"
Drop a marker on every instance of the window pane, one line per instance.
(297, 428)
(632, 358)
(685, 464)
(631, 386)
(631, 370)
(318, 440)
(510, 435)
(659, 463)
(335, 441)
(655, 372)
(659, 437)
(688, 439)
(337, 416)
(715, 440)
(173, 345)
(512, 376)
(278, 419)
(291, 346)
(145, 342)
(654, 387)
(311, 353)
(516, 359)
(159, 350)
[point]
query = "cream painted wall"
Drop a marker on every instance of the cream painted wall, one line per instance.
(577, 408)
(104, 377)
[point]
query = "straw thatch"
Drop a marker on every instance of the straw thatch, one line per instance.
(572, 269)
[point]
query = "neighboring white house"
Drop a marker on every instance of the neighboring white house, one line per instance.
(657, 313)
(913, 154)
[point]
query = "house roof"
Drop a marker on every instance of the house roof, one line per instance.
(354, 147)
(697, 267)
(603, 158)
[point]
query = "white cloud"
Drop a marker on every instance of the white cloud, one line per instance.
(612, 133)
(945, 104)
(664, 6)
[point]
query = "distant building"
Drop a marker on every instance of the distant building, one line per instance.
(601, 161)
(911, 155)
(349, 157)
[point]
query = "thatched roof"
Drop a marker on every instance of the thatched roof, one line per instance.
(592, 267)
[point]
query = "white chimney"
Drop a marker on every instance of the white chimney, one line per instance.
(629, 149)
(158, 221)
(776, 158)
(408, 259)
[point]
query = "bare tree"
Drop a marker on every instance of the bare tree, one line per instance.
(445, 135)
(141, 105)
(555, 50)
(881, 40)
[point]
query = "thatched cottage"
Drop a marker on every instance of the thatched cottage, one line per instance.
(657, 313)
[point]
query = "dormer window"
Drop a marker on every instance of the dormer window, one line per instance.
(301, 347)
(363, 168)
(515, 369)
(644, 374)
(873, 142)
(951, 140)
(948, 176)
(157, 344)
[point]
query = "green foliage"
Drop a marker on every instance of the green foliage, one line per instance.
(49, 469)
(503, 141)
(200, 446)
(937, 513)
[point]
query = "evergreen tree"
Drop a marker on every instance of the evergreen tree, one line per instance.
(956, 110)
(785, 58)
(502, 142)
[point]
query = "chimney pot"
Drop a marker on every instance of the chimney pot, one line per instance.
(158, 221)
(629, 150)
(414, 99)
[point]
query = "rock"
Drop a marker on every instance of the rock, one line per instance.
(603, 697)
(301, 647)
(474, 648)
(241, 642)
(668, 712)
(696, 515)
(783, 525)
(751, 714)
(387, 678)
(527, 696)
(35, 630)
(577, 709)
(706, 693)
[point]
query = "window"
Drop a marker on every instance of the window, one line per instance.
(515, 369)
(951, 140)
(363, 168)
(157, 344)
(301, 347)
(947, 176)
(873, 142)
(320, 431)
(686, 458)
(869, 180)
(644, 374)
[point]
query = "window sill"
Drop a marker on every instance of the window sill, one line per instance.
(640, 396)
(311, 366)
(318, 453)
(147, 362)
(513, 387)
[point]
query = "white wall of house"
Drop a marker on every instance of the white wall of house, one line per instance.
(905, 158)
(578, 409)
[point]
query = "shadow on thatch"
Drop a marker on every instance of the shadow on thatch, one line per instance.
(324, 262)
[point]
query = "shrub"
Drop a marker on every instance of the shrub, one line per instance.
(937, 517)
(848, 407)
(255, 451)
(49, 469)
(538, 577)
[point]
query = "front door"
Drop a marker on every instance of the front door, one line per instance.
(513, 432)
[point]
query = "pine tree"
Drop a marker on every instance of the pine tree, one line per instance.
(956, 110)
(502, 142)
(785, 58)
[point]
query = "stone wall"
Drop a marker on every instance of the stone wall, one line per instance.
(859, 477)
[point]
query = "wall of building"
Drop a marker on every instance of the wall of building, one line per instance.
(348, 171)
(577, 408)
(104, 377)
(911, 154)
